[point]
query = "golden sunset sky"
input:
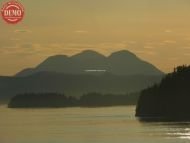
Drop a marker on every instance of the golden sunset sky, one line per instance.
(157, 31)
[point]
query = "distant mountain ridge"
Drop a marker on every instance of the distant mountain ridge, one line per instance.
(118, 63)
(120, 73)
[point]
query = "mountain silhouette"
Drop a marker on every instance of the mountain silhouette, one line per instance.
(89, 71)
(118, 63)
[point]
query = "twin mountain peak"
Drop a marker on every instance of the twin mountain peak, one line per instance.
(118, 63)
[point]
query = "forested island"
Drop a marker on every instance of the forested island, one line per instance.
(169, 100)
(55, 100)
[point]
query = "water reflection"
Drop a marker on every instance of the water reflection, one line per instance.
(180, 130)
(169, 130)
(83, 125)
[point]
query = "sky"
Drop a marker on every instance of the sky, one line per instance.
(157, 31)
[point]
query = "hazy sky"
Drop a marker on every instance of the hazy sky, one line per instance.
(155, 30)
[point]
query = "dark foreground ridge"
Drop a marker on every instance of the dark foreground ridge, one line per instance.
(54, 100)
(168, 101)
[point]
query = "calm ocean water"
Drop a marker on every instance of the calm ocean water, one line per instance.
(86, 125)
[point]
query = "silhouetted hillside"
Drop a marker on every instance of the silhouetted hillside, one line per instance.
(169, 100)
(118, 63)
(74, 85)
(54, 100)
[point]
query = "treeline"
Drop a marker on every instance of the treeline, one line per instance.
(55, 100)
(169, 99)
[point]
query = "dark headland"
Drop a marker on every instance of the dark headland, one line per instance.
(167, 101)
